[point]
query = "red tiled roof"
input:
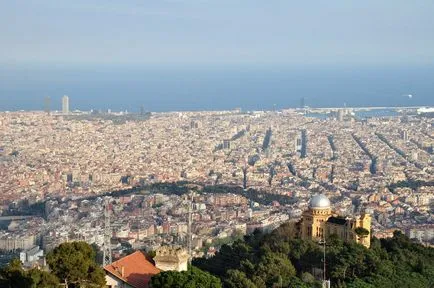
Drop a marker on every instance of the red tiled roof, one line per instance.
(137, 269)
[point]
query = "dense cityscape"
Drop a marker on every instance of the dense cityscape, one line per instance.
(63, 166)
(216, 144)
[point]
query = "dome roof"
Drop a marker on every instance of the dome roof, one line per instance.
(319, 201)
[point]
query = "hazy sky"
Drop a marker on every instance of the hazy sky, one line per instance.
(329, 32)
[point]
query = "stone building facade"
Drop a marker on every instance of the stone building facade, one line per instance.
(319, 222)
(171, 258)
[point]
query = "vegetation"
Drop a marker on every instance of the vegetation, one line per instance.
(218, 242)
(252, 194)
(193, 278)
(74, 263)
(181, 188)
(361, 232)
(13, 276)
(280, 260)
(259, 260)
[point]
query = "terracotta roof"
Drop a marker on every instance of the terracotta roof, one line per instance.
(137, 270)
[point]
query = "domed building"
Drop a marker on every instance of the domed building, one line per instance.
(319, 222)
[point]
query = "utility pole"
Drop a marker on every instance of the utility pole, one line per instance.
(107, 250)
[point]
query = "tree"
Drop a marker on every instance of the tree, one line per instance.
(275, 268)
(262, 261)
(193, 278)
(361, 232)
(238, 279)
(74, 263)
(13, 275)
(43, 279)
(308, 278)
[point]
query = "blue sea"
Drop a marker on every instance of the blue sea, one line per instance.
(213, 88)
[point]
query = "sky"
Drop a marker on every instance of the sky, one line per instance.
(202, 32)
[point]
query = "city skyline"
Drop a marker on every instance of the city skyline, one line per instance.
(216, 143)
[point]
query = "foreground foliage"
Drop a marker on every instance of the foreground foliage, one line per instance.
(13, 276)
(280, 260)
(72, 265)
(192, 278)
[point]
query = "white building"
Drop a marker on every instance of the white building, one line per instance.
(65, 104)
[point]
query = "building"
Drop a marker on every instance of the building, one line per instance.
(341, 115)
(132, 271)
(13, 241)
(29, 256)
(302, 102)
(404, 135)
(65, 104)
(320, 222)
(226, 144)
(297, 143)
(303, 150)
(47, 101)
(195, 124)
(171, 258)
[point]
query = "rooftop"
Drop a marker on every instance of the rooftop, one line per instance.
(319, 201)
(133, 269)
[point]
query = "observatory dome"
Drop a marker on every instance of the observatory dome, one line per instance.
(319, 201)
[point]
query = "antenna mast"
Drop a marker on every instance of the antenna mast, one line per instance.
(107, 250)
(325, 282)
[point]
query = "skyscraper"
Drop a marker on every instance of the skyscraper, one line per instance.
(302, 102)
(65, 104)
(303, 143)
(226, 144)
(341, 115)
(47, 101)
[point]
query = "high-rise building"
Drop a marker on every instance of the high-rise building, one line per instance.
(404, 135)
(303, 152)
(297, 143)
(47, 102)
(341, 115)
(226, 144)
(302, 102)
(65, 104)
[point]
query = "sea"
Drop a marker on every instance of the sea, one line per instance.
(192, 88)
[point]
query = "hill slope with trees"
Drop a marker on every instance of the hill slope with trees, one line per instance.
(280, 260)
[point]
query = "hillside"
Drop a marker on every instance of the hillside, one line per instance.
(280, 260)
